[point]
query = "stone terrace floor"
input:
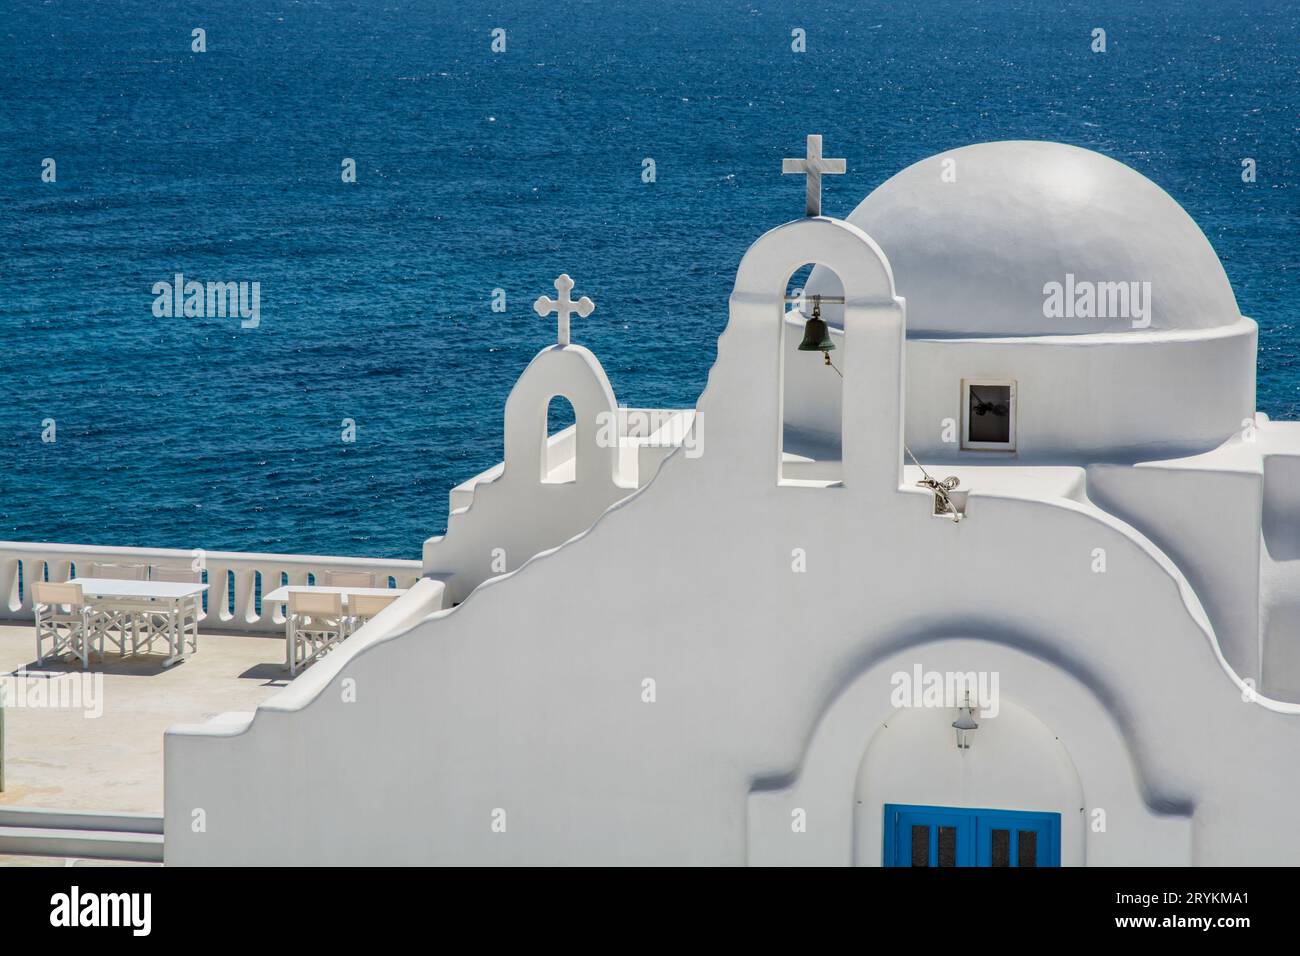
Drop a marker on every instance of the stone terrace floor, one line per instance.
(66, 760)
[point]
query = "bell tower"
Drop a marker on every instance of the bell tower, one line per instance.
(874, 331)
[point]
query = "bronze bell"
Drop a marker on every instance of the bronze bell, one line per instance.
(816, 336)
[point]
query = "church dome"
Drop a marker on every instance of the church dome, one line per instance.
(1035, 238)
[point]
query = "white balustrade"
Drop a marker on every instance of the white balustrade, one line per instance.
(253, 574)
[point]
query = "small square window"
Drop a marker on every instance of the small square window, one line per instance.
(988, 414)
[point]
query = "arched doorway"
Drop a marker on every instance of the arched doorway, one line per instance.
(865, 752)
(1013, 798)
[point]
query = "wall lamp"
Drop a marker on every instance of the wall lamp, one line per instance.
(965, 724)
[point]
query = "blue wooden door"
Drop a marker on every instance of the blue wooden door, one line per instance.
(932, 836)
(961, 836)
(1008, 838)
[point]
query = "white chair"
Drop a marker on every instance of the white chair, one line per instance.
(315, 624)
(127, 618)
(362, 607)
(65, 620)
(119, 572)
(188, 612)
(348, 579)
(161, 572)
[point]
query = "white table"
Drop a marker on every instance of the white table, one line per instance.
(281, 596)
(169, 599)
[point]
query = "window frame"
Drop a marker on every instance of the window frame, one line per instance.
(966, 443)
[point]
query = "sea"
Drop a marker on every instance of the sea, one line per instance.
(496, 145)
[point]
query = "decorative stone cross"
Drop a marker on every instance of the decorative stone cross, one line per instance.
(813, 166)
(563, 307)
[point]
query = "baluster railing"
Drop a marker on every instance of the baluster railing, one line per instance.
(23, 563)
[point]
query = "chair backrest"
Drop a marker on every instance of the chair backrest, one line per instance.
(50, 594)
(368, 605)
(316, 603)
(349, 579)
(119, 572)
(161, 572)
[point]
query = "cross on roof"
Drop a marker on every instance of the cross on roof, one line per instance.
(563, 307)
(813, 166)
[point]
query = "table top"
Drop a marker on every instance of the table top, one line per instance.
(112, 587)
(281, 594)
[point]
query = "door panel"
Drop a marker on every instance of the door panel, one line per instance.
(929, 838)
(1007, 838)
(925, 836)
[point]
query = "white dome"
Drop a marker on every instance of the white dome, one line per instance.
(973, 256)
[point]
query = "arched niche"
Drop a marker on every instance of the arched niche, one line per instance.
(812, 392)
(558, 459)
(1014, 762)
(572, 373)
(871, 423)
(1137, 826)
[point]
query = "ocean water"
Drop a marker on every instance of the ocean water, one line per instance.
(479, 171)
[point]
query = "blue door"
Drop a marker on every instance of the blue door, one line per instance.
(960, 836)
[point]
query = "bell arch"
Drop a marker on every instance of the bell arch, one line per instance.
(485, 537)
(573, 373)
(874, 320)
(812, 390)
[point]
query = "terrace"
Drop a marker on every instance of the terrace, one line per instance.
(101, 746)
(92, 741)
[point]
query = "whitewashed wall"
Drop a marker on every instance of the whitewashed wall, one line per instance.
(549, 488)
(526, 703)
(1124, 396)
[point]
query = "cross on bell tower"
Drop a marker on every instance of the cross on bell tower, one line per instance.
(813, 166)
(563, 307)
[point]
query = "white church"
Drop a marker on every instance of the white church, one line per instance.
(974, 552)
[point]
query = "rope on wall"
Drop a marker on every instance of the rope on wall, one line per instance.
(942, 502)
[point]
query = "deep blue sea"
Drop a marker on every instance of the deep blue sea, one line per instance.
(479, 170)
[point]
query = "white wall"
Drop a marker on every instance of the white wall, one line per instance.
(1208, 522)
(1280, 572)
(528, 697)
(515, 514)
(1084, 398)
